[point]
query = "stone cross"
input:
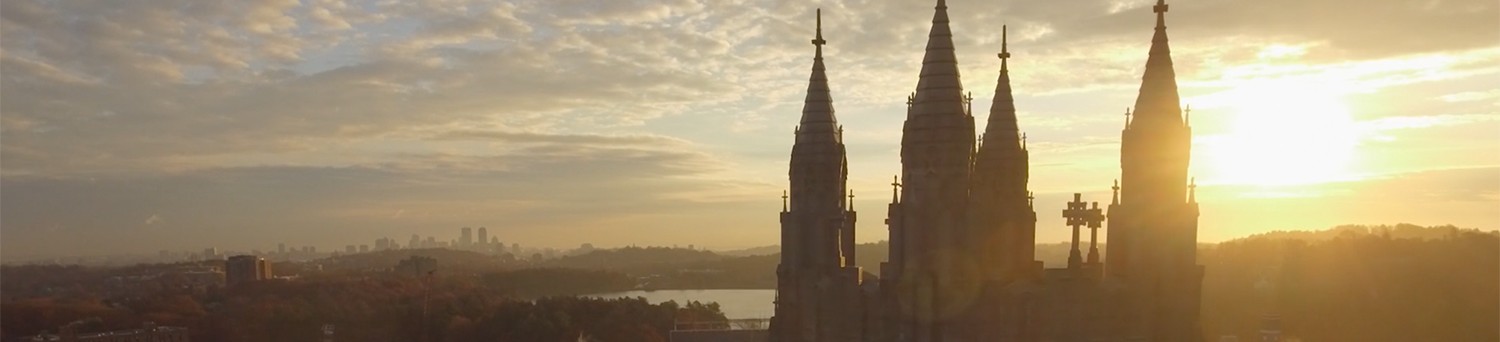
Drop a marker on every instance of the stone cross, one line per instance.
(1077, 215)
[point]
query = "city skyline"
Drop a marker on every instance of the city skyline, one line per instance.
(549, 121)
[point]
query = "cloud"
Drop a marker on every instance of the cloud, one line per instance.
(327, 112)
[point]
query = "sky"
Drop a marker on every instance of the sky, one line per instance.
(133, 126)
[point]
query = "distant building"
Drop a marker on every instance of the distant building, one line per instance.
(364, 248)
(349, 249)
(484, 236)
(417, 265)
(246, 268)
(465, 237)
(148, 333)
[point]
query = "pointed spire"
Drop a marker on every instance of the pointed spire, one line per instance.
(818, 120)
(939, 89)
(1002, 123)
(1158, 100)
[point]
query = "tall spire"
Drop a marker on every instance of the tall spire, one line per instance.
(818, 120)
(1002, 126)
(1158, 100)
(939, 89)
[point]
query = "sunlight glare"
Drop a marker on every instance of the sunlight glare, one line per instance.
(1285, 133)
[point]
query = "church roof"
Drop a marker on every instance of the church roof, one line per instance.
(1158, 100)
(818, 119)
(939, 90)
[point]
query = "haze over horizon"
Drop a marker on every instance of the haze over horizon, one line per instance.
(137, 126)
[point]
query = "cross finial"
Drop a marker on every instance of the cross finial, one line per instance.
(1127, 117)
(969, 102)
(1023, 140)
(1004, 49)
(895, 189)
(1187, 115)
(784, 201)
(819, 38)
(1030, 198)
(1193, 190)
(1161, 14)
(851, 199)
(1116, 188)
(911, 99)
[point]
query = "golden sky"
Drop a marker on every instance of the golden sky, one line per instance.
(135, 126)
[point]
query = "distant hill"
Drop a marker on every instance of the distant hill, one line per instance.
(1357, 283)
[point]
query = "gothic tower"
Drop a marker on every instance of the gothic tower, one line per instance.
(817, 295)
(934, 277)
(1154, 228)
(1001, 217)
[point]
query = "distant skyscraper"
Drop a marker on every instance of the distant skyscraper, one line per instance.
(349, 249)
(484, 236)
(466, 237)
(210, 253)
(364, 248)
(416, 242)
(246, 268)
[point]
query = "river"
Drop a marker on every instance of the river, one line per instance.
(736, 304)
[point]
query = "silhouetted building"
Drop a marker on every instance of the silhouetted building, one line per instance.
(817, 284)
(483, 237)
(465, 238)
(962, 225)
(245, 268)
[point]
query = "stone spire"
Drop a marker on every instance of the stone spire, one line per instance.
(1002, 132)
(818, 121)
(1158, 100)
(939, 89)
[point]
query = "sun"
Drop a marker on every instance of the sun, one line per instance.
(1284, 133)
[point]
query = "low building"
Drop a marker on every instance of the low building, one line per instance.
(246, 268)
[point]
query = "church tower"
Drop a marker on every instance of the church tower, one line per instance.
(1153, 230)
(1002, 220)
(817, 296)
(934, 281)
